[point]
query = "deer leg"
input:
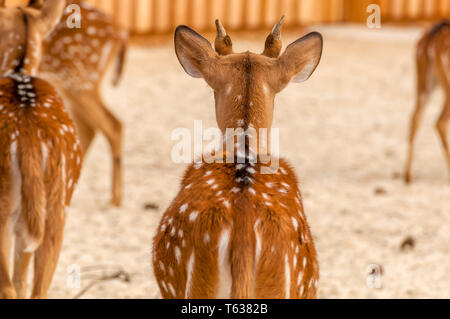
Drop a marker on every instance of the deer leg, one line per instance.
(47, 255)
(415, 122)
(46, 259)
(21, 263)
(425, 84)
(7, 290)
(98, 116)
(85, 131)
(442, 127)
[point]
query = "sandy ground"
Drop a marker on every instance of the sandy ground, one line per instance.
(344, 131)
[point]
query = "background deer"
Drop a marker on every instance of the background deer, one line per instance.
(433, 61)
(76, 62)
(40, 154)
(233, 231)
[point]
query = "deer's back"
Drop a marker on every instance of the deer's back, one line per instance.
(80, 56)
(239, 205)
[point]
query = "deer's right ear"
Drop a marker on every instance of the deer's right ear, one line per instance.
(49, 16)
(194, 52)
(301, 58)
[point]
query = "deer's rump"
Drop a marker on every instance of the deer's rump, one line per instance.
(31, 164)
(222, 238)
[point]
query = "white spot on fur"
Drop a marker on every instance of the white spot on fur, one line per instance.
(286, 185)
(300, 278)
(178, 254)
(229, 88)
(295, 223)
(287, 275)
(172, 290)
(258, 243)
(183, 208)
(225, 279)
(190, 271)
(235, 190)
(193, 216)
(206, 238)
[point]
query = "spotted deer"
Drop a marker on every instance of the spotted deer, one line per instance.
(40, 154)
(433, 63)
(76, 61)
(233, 230)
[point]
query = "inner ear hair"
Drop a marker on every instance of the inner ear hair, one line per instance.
(302, 57)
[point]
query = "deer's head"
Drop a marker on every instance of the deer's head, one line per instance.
(245, 84)
(23, 30)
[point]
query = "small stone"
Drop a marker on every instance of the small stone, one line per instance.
(380, 191)
(408, 244)
(151, 206)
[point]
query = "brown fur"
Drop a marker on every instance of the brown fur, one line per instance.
(273, 46)
(40, 152)
(433, 63)
(75, 61)
(214, 215)
(229, 210)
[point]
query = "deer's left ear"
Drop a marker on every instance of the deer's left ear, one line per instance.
(301, 58)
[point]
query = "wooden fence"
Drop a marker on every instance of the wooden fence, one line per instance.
(161, 16)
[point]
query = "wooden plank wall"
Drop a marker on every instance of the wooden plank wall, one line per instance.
(162, 16)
